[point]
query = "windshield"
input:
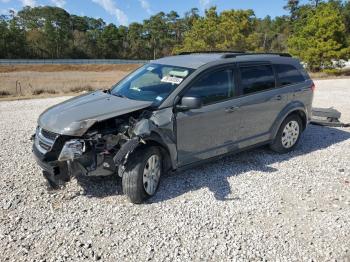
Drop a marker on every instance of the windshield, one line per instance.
(151, 82)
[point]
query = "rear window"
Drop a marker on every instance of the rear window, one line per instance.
(288, 75)
(257, 78)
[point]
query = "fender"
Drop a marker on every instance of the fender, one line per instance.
(151, 136)
(291, 107)
(166, 143)
(159, 131)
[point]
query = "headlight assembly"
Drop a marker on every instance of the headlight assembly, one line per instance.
(71, 150)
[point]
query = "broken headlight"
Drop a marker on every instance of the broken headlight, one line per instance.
(71, 150)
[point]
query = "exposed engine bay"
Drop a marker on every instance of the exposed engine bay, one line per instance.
(103, 148)
(102, 151)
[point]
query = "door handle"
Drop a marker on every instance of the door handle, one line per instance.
(302, 89)
(231, 109)
(278, 97)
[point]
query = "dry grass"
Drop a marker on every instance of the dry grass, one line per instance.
(79, 89)
(63, 68)
(4, 93)
(37, 92)
(47, 80)
(331, 74)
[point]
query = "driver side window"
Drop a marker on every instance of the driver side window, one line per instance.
(214, 87)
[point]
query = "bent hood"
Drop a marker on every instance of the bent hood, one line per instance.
(64, 118)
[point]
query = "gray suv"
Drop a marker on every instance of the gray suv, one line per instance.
(173, 113)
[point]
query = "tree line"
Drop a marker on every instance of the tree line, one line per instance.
(317, 32)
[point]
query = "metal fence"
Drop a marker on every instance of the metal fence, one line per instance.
(70, 61)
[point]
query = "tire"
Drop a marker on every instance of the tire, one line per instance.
(286, 139)
(51, 183)
(139, 184)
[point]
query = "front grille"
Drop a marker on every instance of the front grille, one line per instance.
(44, 140)
(48, 134)
(44, 146)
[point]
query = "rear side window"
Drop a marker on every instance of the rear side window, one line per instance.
(214, 87)
(288, 75)
(257, 78)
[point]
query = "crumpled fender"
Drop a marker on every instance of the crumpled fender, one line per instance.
(159, 128)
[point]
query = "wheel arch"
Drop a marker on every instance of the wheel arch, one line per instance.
(302, 116)
(293, 108)
(156, 140)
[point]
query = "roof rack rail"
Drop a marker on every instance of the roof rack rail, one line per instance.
(232, 53)
(243, 54)
(211, 52)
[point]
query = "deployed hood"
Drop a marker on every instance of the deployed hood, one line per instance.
(82, 112)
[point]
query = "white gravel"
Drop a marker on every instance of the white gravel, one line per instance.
(253, 206)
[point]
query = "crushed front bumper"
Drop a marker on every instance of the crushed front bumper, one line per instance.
(55, 172)
(50, 167)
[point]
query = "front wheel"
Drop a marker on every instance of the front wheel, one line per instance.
(288, 135)
(142, 174)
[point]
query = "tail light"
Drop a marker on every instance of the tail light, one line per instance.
(313, 87)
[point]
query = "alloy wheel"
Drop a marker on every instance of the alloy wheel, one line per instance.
(290, 134)
(151, 174)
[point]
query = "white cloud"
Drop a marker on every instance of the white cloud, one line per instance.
(111, 8)
(204, 4)
(30, 3)
(7, 11)
(59, 3)
(146, 6)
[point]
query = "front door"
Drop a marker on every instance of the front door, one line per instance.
(211, 130)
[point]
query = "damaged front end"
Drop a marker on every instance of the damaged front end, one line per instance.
(101, 148)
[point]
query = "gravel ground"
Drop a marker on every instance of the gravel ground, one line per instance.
(339, 96)
(253, 206)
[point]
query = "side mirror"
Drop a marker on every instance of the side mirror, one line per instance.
(189, 102)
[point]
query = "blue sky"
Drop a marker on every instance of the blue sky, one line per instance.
(127, 11)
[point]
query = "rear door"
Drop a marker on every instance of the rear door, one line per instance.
(292, 79)
(260, 102)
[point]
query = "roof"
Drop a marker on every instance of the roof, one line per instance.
(190, 61)
(197, 60)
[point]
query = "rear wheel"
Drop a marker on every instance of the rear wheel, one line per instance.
(143, 171)
(288, 135)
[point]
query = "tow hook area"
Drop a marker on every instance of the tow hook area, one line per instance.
(58, 178)
(327, 117)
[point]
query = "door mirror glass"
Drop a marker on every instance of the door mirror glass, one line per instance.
(190, 102)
